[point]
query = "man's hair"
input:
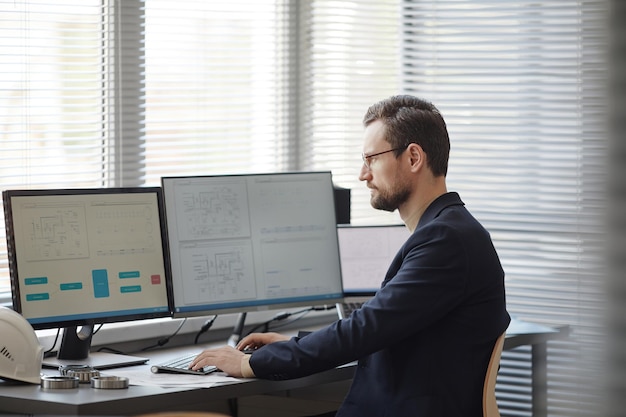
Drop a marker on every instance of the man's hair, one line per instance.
(407, 120)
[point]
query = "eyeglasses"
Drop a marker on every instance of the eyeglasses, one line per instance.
(366, 158)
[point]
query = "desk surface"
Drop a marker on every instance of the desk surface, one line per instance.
(31, 399)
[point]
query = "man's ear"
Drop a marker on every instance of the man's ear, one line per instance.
(417, 156)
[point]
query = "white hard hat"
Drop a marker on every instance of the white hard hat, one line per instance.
(20, 351)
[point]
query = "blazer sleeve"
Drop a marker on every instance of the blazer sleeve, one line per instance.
(426, 280)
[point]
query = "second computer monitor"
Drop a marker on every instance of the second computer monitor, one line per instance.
(252, 242)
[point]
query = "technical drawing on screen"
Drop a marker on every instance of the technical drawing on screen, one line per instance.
(252, 242)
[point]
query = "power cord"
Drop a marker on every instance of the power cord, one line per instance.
(56, 339)
(205, 328)
(164, 340)
(98, 329)
(282, 316)
(50, 351)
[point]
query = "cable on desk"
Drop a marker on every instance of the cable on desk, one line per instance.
(205, 327)
(282, 316)
(56, 338)
(111, 350)
(303, 313)
(164, 340)
(98, 329)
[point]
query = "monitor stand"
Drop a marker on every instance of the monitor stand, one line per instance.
(235, 337)
(74, 350)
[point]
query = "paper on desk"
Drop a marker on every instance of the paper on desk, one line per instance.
(143, 376)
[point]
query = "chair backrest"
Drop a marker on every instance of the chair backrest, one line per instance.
(490, 406)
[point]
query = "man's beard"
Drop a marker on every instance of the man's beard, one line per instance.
(392, 198)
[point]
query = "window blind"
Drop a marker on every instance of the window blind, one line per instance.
(121, 93)
(219, 78)
(124, 92)
(520, 84)
(53, 85)
(349, 59)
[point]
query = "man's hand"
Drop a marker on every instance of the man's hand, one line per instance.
(256, 340)
(226, 358)
(229, 359)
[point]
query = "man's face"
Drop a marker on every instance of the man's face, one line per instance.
(389, 189)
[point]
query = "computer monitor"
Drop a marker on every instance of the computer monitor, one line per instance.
(366, 253)
(80, 257)
(252, 242)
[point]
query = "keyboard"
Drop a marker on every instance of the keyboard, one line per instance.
(180, 365)
(346, 308)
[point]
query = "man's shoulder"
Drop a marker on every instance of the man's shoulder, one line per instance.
(453, 226)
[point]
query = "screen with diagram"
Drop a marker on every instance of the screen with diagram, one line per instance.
(252, 242)
(87, 255)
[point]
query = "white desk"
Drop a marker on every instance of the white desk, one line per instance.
(31, 399)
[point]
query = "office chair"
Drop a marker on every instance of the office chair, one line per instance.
(490, 406)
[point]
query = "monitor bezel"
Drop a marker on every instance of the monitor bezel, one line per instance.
(264, 304)
(88, 319)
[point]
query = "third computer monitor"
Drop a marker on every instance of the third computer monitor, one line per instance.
(252, 242)
(366, 254)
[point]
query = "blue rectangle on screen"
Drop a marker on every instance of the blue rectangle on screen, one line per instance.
(100, 283)
(36, 281)
(130, 288)
(71, 286)
(37, 297)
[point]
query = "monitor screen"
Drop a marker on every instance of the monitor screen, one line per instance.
(84, 256)
(366, 253)
(252, 242)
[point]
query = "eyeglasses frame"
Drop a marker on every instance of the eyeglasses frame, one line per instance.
(366, 158)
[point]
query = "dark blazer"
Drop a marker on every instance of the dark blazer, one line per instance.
(424, 340)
